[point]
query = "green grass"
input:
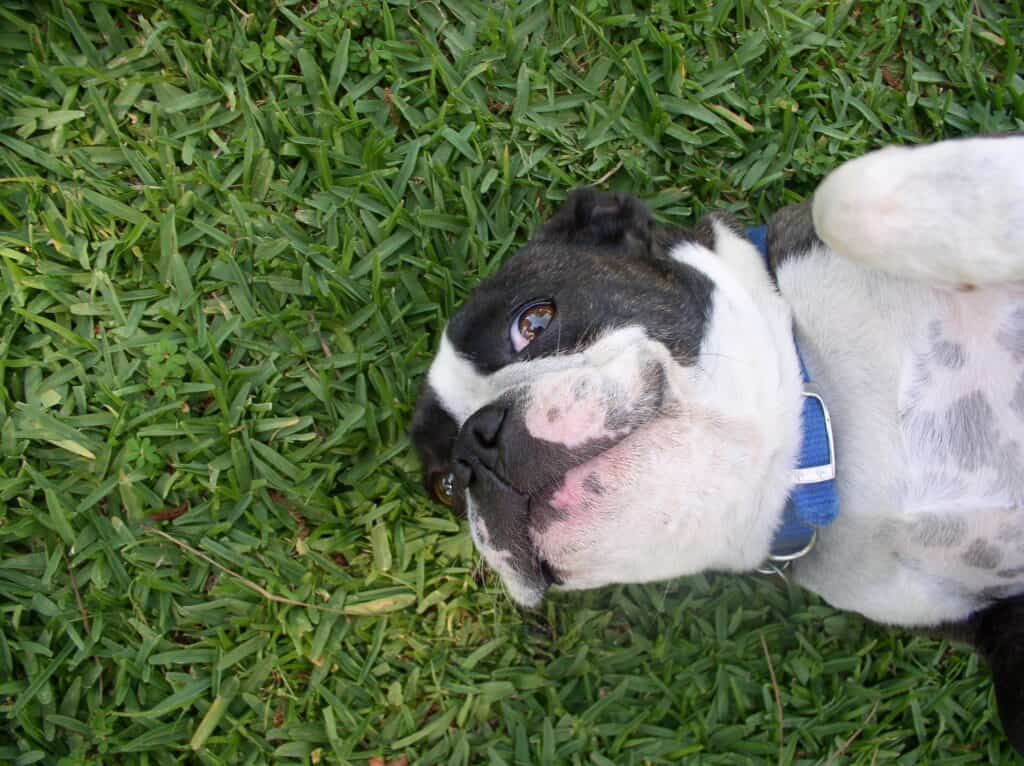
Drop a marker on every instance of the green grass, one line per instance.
(230, 233)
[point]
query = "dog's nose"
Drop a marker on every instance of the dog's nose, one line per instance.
(477, 442)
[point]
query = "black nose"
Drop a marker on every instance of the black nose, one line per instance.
(477, 442)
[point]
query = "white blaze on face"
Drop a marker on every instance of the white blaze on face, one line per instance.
(460, 389)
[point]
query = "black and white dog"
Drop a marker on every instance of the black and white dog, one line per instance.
(624, 402)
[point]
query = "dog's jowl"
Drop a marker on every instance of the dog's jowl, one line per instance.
(627, 402)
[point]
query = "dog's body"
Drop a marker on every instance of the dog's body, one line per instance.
(926, 391)
(649, 428)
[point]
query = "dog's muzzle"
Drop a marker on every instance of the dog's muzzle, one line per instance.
(512, 456)
(500, 509)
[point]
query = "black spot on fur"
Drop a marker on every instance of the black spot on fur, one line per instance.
(972, 428)
(1010, 532)
(1011, 574)
(1017, 403)
(593, 485)
(554, 414)
(581, 389)
(949, 355)
(982, 555)
(944, 352)
(791, 234)
(1011, 334)
(934, 531)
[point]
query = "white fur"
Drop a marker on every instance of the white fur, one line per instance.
(459, 387)
(701, 487)
(948, 214)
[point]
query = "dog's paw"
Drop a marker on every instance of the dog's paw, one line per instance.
(595, 218)
(947, 214)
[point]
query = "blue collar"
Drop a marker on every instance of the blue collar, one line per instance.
(813, 501)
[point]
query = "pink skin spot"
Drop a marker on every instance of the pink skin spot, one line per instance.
(571, 494)
(578, 498)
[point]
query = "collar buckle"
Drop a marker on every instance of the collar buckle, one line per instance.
(778, 563)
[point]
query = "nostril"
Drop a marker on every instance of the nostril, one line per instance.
(477, 444)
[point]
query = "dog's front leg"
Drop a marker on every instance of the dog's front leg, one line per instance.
(950, 214)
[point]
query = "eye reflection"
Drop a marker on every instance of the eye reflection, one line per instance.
(530, 323)
(444, 489)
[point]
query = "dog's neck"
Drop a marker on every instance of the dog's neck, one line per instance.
(750, 373)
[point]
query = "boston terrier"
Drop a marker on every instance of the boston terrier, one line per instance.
(626, 402)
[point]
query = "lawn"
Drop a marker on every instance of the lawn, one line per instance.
(230, 233)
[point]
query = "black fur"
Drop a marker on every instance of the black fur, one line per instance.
(1000, 639)
(597, 219)
(604, 264)
(791, 234)
(433, 434)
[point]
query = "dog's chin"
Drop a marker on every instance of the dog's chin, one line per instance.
(525, 595)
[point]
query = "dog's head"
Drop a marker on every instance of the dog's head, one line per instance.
(606, 407)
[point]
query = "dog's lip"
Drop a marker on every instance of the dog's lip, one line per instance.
(540, 573)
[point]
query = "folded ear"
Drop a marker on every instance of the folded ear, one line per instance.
(591, 217)
(1001, 640)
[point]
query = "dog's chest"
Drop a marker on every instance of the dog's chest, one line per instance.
(926, 389)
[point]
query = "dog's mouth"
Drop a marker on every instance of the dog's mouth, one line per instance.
(521, 532)
(530, 463)
(500, 522)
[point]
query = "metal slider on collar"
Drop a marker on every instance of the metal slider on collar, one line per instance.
(816, 474)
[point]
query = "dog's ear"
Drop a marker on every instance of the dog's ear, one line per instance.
(1001, 640)
(593, 218)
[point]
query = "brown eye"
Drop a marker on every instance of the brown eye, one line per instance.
(444, 489)
(530, 323)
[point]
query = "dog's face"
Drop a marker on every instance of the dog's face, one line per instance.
(579, 410)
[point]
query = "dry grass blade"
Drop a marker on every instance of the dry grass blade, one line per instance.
(230, 573)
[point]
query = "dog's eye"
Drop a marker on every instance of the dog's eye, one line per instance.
(530, 322)
(444, 489)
